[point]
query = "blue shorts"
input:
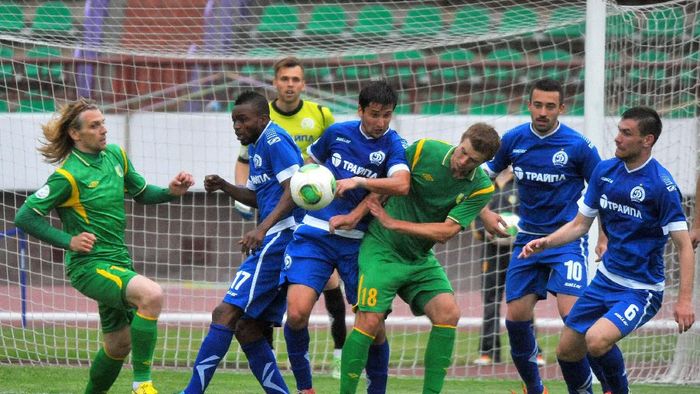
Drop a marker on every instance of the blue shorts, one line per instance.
(559, 270)
(313, 254)
(626, 308)
(255, 288)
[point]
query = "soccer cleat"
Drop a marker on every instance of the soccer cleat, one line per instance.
(306, 391)
(544, 391)
(541, 362)
(145, 388)
(484, 359)
(336, 368)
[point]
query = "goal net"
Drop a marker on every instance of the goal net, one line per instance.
(166, 74)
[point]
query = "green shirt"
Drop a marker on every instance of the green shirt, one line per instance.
(434, 196)
(88, 193)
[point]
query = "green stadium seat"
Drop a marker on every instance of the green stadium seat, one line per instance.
(489, 104)
(35, 104)
(326, 20)
(576, 106)
(360, 70)
(471, 21)
(457, 72)
(52, 17)
(574, 20)
(689, 70)
(696, 27)
(554, 72)
(407, 72)
(11, 17)
(4, 107)
(374, 20)
(279, 19)
(686, 107)
(518, 18)
(402, 109)
(653, 71)
(620, 25)
(422, 21)
(665, 23)
(505, 72)
(439, 108)
(53, 71)
(7, 70)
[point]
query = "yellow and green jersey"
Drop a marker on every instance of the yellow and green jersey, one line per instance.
(435, 195)
(305, 124)
(88, 193)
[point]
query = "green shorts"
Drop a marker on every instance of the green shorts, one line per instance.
(106, 284)
(384, 274)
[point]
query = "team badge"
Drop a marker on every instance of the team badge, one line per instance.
(560, 158)
(287, 261)
(518, 172)
(93, 184)
(307, 123)
(637, 194)
(603, 201)
(336, 159)
(257, 161)
(377, 157)
(43, 192)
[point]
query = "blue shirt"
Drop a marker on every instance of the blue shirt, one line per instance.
(347, 151)
(550, 172)
(637, 210)
(274, 158)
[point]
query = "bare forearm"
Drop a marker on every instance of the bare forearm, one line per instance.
(240, 193)
(438, 232)
(570, 231)
(397, 184)
(282, 209)
(687, 273)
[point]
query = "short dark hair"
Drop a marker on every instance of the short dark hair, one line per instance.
(548, 85)
(484, 139)
(256, 100)
(647, 119)
(288, 62)
(378, 92)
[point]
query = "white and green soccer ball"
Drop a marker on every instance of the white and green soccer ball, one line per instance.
(511, 228)
(313, 187)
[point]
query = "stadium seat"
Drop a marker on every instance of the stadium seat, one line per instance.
(575, 108)
(689, 69)
(54, 71)
(648, 67)
(359, 69)
(407, 72)
(439, 108)
(489, 104)
(326, 20)
(471, 21)
(574, 20)
(422, 21)
(374, 20)
(459, 71)
(11, 17)
(554, 72)
(696, 27)
(665, 23)
(507, 70)
(7, 70)
(4, 107)
(518, 18)
(37, 104)
(52, 17)
(279, 19)
(686, 107)
(620, 25)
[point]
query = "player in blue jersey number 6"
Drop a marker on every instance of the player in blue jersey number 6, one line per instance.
(639, 206)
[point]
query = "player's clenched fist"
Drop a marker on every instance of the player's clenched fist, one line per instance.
(179, 185)
(82, 242)
(213, 183)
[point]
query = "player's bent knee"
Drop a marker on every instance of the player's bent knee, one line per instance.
(226, 314)
(597, 346)
(297, 318)
(248, 331)
(566, 352)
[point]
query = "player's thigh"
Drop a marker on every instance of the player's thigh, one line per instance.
(442, 309)
(571, 346)
(333, 281)
(588, 308)
(423, 283)
(106, 283)
(381, 274)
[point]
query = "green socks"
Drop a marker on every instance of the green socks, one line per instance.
(438, 357)
(103, 372)
(353, 360)
(144, 334)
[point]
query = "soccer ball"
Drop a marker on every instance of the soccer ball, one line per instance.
(512, 228)
(313, 187)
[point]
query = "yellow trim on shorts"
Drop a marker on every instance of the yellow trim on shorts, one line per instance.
(74, 199)
(112, 277)
(364, 333)
(445, 326)
(416, 156)
(146, 317)
(489, 189)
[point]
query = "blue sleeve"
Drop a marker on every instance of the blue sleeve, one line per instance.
(590, 158)
(670, 206)
(322, 146)
(501, 160)
(285, 157)
(592, 197)
(397, 153)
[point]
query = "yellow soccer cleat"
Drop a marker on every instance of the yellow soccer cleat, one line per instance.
(145, 388)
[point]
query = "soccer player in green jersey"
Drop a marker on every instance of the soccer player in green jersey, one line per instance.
(448, 190)
(88, 191)
(305, 121)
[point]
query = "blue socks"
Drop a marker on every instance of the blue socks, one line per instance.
(298, 351)
(213, 349)
(577, 375)
(262, 362)
(613, 366)
(523, 350)
(377, 368)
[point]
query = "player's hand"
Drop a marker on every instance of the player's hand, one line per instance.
(378, 211)
(684, 313)
(494, 223)
(600, 249)
(82, 242)
(213, 183)
(343, 185)
(343, 222)
(251, 241)
(532, 247)
(181, 183)
(695, 237)
(245, 211)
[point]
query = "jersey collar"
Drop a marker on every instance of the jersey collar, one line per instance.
(262, 132)
(88, 159)
(540, 136)
(638, 168)
(296, 110)
(371, 138)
